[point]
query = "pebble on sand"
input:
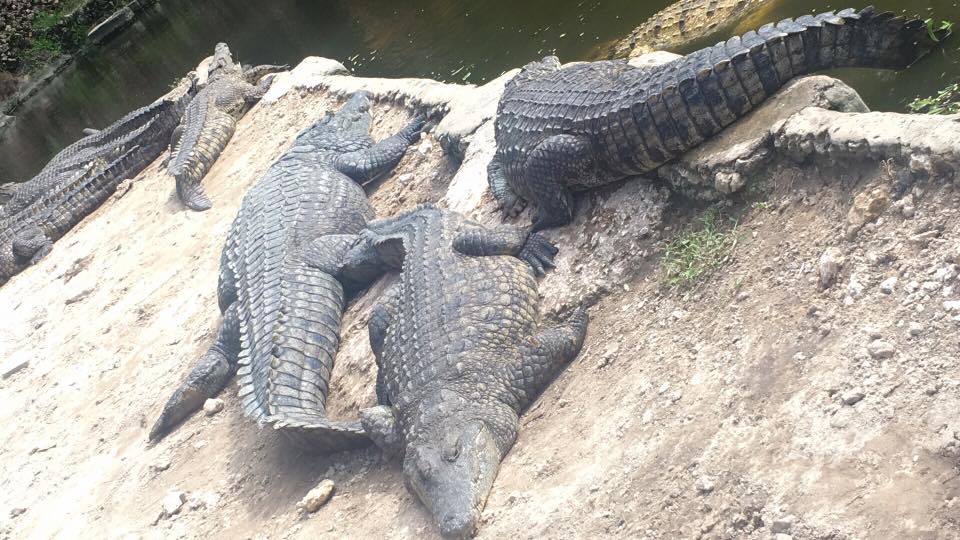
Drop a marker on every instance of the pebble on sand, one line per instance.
(880, 350)
(173, 502)
(317, 497)
(212, 406)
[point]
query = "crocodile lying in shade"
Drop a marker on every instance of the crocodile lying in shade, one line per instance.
(210, 120)
(683, 23)
(459, 351)
(281, 319)
(563, 130)
(27, 235)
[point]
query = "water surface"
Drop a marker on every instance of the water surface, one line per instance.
(452, 40)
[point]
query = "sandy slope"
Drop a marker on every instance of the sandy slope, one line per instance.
(718, 412)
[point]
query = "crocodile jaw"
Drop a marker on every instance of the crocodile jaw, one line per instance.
(453, 477)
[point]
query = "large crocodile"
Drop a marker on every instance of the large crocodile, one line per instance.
(28, 234)
(281, 318)
(458, 349)
(102, 146)
(210, 120)
(562, 130)
(683, 23)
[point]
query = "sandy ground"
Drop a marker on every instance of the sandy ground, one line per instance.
(756, 404)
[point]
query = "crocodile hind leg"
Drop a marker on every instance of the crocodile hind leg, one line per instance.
(32, 244)
(552, 349)
(509, 202)
(534, 248)
(370, 163)
(380, 425)
(207, 379)
(549, 170)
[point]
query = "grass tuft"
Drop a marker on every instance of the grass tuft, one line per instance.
(698, 252)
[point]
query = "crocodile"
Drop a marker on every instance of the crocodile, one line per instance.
(103, 146)
(560, 130)
(683, 23)
(281, 316)
(210, 120)
(27, 235)
(459, 351)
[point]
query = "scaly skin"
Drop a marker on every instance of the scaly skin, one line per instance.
(563, 130)
(684, 22)
(459, 351)
(28, 235)
(105, 146)
(286, 310)
(209, 122)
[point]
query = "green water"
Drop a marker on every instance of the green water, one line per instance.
(452, 40)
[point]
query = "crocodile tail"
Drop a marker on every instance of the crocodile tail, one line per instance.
(289, 346)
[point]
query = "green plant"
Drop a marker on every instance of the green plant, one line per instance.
(40, 51)
(947, 101)
(698, 252)
(938, 30)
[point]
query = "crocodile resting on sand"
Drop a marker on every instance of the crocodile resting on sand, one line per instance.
(683, 23)
(459, 351)
(590, 124)
(210, 120)
(85, 178)
(103, 146)
(281, 317)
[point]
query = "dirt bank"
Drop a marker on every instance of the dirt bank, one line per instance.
(756, 403)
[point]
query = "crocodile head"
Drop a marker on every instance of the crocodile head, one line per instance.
(452, 475)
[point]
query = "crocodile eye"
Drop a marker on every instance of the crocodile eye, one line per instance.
(450, 452)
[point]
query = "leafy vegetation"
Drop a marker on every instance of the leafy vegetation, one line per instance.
(698, 252)
(947, 101)
(40, 51)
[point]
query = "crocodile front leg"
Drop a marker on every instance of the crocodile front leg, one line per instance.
(254, 74)
(551, 350)
(207, 379)
(534, 248)
(32, 244)
(381, 426)
(370, 163)
(547, 172)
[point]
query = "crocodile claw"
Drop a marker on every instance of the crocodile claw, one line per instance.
(539, 252)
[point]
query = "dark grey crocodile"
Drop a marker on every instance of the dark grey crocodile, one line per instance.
(563, 130)
(210, 120)
(27, 235)
(459, 351)
(287, 311)
(103, 146)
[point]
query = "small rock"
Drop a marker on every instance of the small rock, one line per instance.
(880, 350)
(782, 536)
(888, 285)
(173, 502)
(405, 178)
(162, 464)
(704, 485)
(916, 329)
(317, 497)
(830, 263)
(867, 207)
(952, 306)
(924, 238)
(782, 525)
(212, 406)
(852, 397)
(17, 511)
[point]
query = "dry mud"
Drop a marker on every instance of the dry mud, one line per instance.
(755, 404)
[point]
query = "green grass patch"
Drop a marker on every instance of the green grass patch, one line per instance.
(699, 251)
(41, 50)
